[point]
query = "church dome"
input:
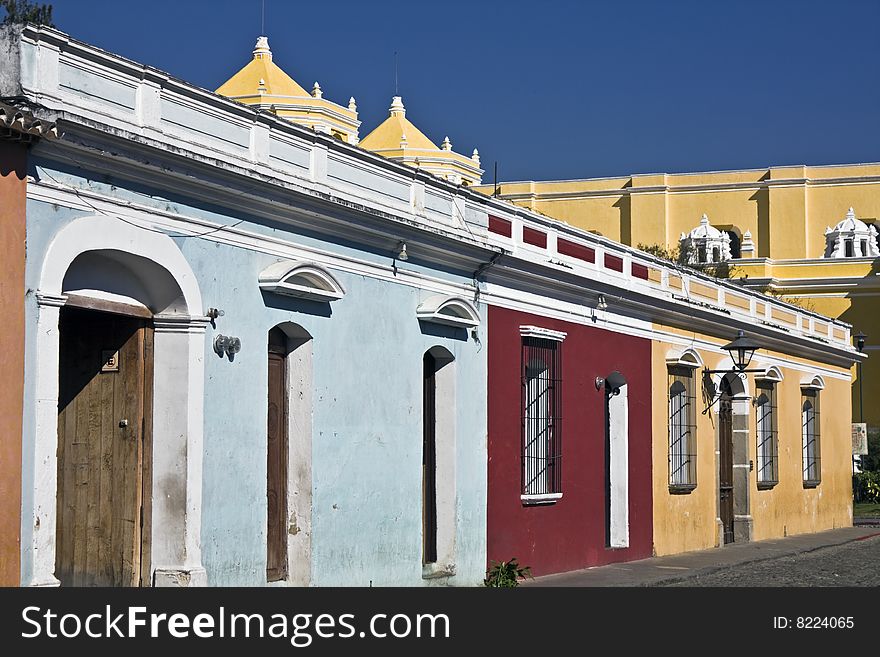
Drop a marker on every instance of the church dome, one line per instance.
(705, 230)
(398, 139)
(705, 244)
(261, 83)
(851, 223)
(851, 238)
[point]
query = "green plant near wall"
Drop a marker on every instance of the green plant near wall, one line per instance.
(506, 574)
(866, 487)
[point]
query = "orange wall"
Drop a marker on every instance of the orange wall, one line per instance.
(13, 158)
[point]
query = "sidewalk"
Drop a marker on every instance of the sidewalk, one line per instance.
(650, 572)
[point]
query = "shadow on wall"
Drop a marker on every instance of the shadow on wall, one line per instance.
(625, 207)
(305, 306)
(442, 331)
(762, 200)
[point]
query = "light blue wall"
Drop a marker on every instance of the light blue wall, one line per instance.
(367, 426)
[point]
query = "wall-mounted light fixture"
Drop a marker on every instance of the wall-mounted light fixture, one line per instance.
(613, 383)
(602, 304)
(226, 344)
(214, 313)
(400, 252)
(741, 350)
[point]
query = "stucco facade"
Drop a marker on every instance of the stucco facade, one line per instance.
(777, 215)
(690, 521)
(570, 533)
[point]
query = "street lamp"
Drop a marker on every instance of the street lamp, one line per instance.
(741, 350)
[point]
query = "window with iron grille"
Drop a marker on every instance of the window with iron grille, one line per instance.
(765, 422)
(541, 419)
(810, 436)
(682, 430)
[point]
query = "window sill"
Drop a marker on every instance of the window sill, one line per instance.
(681, 489)
(812, 483)
(767, 485)
(437, 570)
(545, 498)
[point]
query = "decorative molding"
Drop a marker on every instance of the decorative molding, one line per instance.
(545, 498)
(538, 332)
(684, 358)
(449, 310)
(48, 299)
(304, 280)
(815, 382)
(180, 324)
(771, 373)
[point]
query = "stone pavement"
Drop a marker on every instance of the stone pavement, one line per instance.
(678, 567)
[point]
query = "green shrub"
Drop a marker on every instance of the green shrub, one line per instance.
(506, 574)
(866, 487)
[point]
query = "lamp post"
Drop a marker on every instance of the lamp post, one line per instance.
(741, 350)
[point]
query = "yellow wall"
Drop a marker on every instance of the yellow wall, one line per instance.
(789, 508)
(684, 522)
(681, 522)
(786, 208)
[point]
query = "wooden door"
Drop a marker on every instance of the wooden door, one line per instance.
(105, 374)
(725, 478)
(429, 460)
(276, 459)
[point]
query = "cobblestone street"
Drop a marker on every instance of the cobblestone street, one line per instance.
(852, 564)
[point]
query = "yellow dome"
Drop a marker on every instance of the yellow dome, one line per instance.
(398, 139)
(389, 134)
(261, 75)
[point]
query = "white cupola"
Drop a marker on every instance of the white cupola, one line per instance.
(851, 238)
(705, 244)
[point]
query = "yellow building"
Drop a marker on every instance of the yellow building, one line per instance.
(263, 84)
(762, 462)
(804, 233)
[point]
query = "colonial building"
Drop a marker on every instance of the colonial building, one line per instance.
(620, 427)
(232, 326)
(259, 354)
(803, 233)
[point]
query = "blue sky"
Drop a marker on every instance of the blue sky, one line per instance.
(553, 89)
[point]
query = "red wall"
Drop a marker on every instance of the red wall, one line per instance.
(13, 158)
(569, 534)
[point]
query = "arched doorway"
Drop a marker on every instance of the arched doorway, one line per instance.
(289, 455)
(732, 458)
(116, 488)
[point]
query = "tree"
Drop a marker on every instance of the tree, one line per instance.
(19, 12)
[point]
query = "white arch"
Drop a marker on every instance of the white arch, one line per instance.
(99, 233)
(449, 310)
(815, 381)
(684, 357)
(178, 397)
(770, 373)
(306, 280)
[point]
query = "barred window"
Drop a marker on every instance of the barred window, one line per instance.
(810, 436)
(682, 430)
(765, 421)
(541, 419)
